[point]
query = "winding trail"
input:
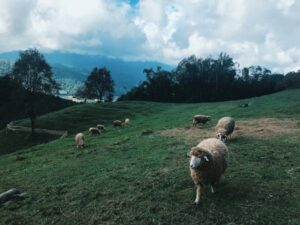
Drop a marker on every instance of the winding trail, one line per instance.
(11, 126)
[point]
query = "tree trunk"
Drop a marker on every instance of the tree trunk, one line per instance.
(32, 122)
(32, 116)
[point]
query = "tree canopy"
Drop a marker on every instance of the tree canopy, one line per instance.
(34, 75)
(5, 67)
(203, 80)
(33, 72)
(98, 85)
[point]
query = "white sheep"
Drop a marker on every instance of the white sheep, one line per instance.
(101, 127)
(127, 122)
(79, 140)
(208, 162)
(117, 123)
(200, 119)
(224, 128)
(94, 131)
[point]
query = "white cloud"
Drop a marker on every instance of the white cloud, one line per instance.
(284, 5)
(84, 26)
(252, 32)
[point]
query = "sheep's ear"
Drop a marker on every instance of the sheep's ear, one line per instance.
(188, 154)
(195, 148)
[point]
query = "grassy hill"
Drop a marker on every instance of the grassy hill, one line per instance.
(140, 174)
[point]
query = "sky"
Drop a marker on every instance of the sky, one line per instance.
(256, 32)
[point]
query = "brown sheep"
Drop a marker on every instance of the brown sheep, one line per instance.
(94, 131)
(200, 119)
(117, 123)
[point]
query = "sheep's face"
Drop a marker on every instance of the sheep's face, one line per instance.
(221, 135)
(195, 162)
(199, 159)
(81, 142)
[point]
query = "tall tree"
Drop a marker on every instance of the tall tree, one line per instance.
(160, 85)
(5, 67)
(197, 80)
(98, 85)
(34, 74)
(292, 79)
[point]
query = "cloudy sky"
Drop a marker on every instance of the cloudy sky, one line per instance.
(256, 32)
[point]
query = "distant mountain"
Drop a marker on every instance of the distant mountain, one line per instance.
(71, 68)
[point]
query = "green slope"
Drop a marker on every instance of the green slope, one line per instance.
(74, 119)
(130, 176)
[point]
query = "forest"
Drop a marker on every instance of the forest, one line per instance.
(206, 80)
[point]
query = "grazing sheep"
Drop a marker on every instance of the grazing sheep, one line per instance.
(117, 123)
(94, 131)
(224, 128)
(101, 127)
(127, 122)
(200, 119)
(208, 162)
(79, 140)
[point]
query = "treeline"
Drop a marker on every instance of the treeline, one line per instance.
(13, 105)
(205, 80)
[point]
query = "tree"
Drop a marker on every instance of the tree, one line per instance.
(34, 74)
(208, 79)
(5, 67)
(99, 85)
(292, 79)
(159, 85)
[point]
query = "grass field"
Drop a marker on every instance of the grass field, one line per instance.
(140, 174)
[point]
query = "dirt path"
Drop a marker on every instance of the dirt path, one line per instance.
(261, 128)
(11, 126)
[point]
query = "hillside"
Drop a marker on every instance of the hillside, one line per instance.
(71, 68)
(11, 110)
(140, 174)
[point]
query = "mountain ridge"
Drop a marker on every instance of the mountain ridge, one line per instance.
(126, 74)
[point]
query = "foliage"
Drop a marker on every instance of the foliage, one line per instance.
(292, 79)
(205, 80)
(33, 72)
(34, 75)
(12, 105)
(5, 67)
(99, 85)
(11, 100)
(10, 90)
